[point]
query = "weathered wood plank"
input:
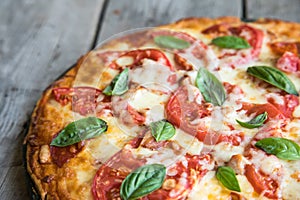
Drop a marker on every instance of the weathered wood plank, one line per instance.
(38, 41)
(130, 14)
(287, 10)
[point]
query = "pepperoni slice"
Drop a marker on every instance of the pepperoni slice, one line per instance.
(288, 62)
(138, 55)
(109, 177)
(217, 29)
(83, 99)
(180, 179)
(61, 155)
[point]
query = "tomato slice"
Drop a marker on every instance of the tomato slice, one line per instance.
(217, 29)
(83, 99)
(289, 105)
(139, 55)
(288, 62)
(181, 112)
(137, 117)
(261, 182)
(61, 155)
(282, 47)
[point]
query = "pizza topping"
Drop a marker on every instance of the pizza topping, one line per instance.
(79, 130)
(83, 99)
(211, 88)
(139, 55)
(181, 35)
(283, 47)
(61, 155)
(285, 104)
(288, 62)
(143, 181)
(262, 183)
(137, 117)
(227, 177)
(171, 42)
(274, 77)
(231, 42)
(119, 84)
(281, 147)
(44, 155)
(162, 130)
(255, 122)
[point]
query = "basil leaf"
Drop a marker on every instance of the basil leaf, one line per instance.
(227, 177)
(143, 181)
(255, 122)
(284, 149)
(210, 87)
(231, 42)
(274, 77)
(119, 84)
(79, 130)
(171, 42)
(162, 130)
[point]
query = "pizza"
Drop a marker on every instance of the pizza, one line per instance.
(197, 109)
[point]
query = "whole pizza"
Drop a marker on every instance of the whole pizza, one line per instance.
(198, 109)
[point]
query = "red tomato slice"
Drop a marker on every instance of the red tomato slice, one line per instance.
(288, 62)
(61, 155)
(139, 55)
(181, 112)
(261, 182)
(282, 47)
(137, 117)
(83, 99)
(289, 105)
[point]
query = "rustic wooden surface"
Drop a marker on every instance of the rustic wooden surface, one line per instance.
(39, 40)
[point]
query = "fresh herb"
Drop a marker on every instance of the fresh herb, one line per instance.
(162, 130)
(255, 122)
(79, 130)
(231, 42)
(227, 177)
(210, 87)
(142, 181)
(274, 77)
(284, 149)
(171, 42)
(119, 84)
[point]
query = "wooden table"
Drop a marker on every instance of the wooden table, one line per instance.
(39, 40)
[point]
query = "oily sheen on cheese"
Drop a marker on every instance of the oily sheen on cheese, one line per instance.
(162, 85)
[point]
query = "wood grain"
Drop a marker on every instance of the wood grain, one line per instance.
(38, 41)
(286, 10)
(130, 14)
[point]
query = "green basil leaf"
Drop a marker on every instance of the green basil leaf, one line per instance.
(210, 87)
(79, 130)
(231, 42)
(255, 122)
(284, 149)
(142, 181)
(119, 84)
(171, 42)
(274, 77)
(227, 177)
(162, 130)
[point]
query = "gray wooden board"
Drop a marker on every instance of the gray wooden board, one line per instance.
(123, 15)
(280, 9)
(38, 41)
